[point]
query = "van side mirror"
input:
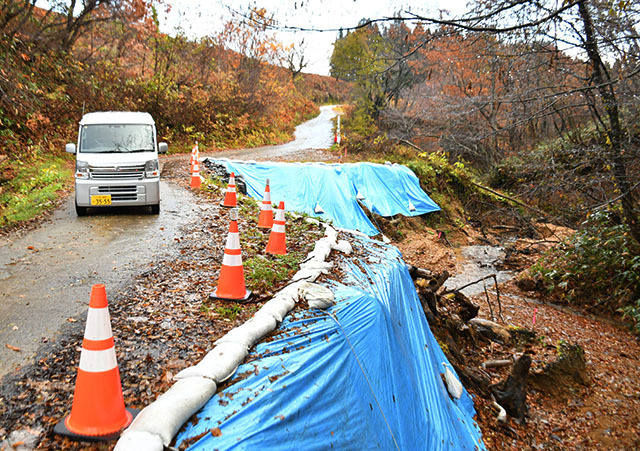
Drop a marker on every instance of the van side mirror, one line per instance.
(70, 148)
(163, 148)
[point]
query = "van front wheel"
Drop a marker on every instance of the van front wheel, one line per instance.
(155, 209)
(81, 211)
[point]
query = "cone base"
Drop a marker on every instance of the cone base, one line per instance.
(61, 429)
(246, 297)
(227, 206)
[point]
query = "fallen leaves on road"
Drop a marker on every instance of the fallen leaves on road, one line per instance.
(13, 348)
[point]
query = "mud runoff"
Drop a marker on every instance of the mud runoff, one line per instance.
(474, 263)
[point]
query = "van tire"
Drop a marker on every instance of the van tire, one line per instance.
(81, 211)
(155, 209)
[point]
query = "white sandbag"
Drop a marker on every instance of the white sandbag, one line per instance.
(250, 332)
(311, 270)
(219, 364)
(139, 441)
(323, 266)
(453, 384)
(321, 250)
(290, 291)
(331, 235)
(277, 307)
(316, 295)
(166, 415)
(502, 414)
(343, 246)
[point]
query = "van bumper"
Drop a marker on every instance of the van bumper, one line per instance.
(123, 192)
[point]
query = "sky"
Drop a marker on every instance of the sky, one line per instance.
(199, 18)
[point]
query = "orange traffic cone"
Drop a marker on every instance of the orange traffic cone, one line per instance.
(231, 280)
(230, 199)
(195, 156)
(196, 182)
(277, 238)
(265, 220)
(98, 411)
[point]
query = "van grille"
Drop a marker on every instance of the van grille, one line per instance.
(126, 192)
(117, 172)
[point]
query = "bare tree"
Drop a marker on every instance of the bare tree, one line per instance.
(602, 35)
(295, 59)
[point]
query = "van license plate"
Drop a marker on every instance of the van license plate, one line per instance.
(104, 199)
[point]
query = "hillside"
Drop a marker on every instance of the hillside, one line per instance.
(227, 90)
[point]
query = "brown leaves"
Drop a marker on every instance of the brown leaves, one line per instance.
(216, 432)
(13, 348)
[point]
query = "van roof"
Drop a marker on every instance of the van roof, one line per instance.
(117, 117)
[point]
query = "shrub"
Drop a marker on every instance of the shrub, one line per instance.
(597, 267)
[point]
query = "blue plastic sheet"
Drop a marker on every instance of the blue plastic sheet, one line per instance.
(332, 191)
(363, 374)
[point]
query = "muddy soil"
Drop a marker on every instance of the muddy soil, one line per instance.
(604, 414)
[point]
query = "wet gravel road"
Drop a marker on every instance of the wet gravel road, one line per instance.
(46, 276)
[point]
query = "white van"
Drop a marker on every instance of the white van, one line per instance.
(117, 161)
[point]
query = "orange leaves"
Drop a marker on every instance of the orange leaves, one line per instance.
(251, 39)
(37, 121)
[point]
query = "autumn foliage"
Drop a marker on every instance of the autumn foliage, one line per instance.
(225, 90)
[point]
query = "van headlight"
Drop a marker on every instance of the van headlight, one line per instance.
(151, 169)
(82, 170)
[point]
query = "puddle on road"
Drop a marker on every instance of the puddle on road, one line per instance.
(476, 262)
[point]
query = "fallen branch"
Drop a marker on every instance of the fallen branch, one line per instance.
(495, 281)
(482, 279)
(496, 363)
(511, 199)
(468, 285)
(408, 143)
(505, 227)
(419, 272)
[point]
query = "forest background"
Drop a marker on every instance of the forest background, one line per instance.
(538, 99)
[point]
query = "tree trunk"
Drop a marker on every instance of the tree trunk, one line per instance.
(511, 393)
(615, 133)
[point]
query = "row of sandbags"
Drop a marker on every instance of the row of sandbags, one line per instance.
(156, 425)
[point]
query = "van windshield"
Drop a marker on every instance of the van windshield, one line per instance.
(113, 138)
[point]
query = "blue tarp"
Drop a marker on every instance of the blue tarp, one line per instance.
(363, 374)
(387, 189)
